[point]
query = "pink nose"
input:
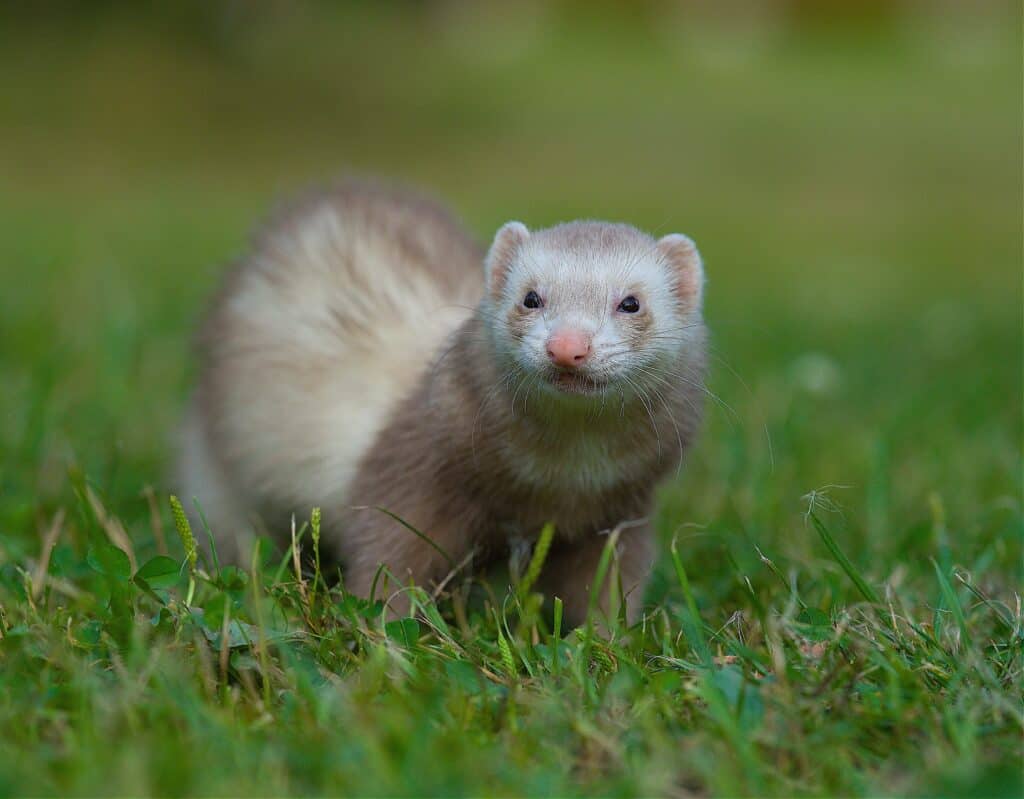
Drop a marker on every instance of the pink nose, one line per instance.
(568, 347)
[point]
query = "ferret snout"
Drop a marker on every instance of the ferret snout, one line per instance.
(568, 347)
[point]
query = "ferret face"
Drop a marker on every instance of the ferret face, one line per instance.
(589, 308)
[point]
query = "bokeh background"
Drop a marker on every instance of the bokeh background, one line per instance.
(851, 171)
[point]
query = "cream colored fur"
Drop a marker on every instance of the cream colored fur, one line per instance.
(326, 325)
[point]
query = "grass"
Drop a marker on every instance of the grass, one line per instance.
(836, 610)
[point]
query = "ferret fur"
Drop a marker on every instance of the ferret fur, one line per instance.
(366, 355)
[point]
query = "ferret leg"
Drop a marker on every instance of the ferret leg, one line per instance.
(569, 573)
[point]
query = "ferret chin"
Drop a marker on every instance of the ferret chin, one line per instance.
(366, 354)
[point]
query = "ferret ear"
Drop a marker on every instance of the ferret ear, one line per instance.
(507, 241)
(681, 254)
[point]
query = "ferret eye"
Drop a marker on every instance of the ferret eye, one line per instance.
(532, 300)
(629, 305)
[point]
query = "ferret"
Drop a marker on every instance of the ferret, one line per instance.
(367, 357)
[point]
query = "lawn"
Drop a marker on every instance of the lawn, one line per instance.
(836, 610)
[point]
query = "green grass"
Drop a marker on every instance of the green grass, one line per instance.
(837, 604)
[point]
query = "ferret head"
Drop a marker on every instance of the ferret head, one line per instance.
(587, 308)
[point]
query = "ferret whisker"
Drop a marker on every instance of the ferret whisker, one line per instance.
(697, 384)
(760, 412)
(668, 409)
(535, 384)
(515, 395)
(647, 407)
(667, 332)
(662, 378)
(491, 393)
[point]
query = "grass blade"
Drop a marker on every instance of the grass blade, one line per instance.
(865, 590)
(448, 558)
(695, 629)
(951, 599)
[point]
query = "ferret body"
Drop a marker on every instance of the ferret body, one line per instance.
(366, 355)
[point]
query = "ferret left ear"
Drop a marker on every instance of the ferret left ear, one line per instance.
(507, 241)
(681, 254)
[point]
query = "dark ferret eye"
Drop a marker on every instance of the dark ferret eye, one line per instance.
(629, 305)
(532, 300)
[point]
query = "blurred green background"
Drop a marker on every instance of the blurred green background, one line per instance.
(851, 171)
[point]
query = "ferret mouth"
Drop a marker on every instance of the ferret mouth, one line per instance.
(576, 383)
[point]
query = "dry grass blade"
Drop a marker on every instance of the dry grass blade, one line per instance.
(49, 541)
(113, 528)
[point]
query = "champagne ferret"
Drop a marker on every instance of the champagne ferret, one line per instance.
(367, 354)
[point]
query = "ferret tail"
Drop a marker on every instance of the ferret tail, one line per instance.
(344, 301)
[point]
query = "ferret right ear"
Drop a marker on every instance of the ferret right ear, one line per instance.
(681, 254)
(507, 241)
